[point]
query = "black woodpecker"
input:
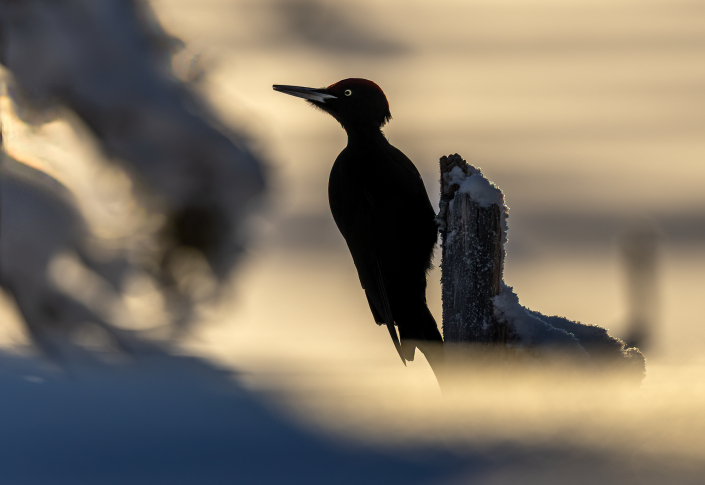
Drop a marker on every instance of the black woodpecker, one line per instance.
(381, 207)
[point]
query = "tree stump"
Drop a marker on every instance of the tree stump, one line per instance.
(479, 308)
(471, 224)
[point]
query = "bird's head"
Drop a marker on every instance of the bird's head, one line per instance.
(355, 103)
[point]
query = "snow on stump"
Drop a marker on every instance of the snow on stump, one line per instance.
(482, 315)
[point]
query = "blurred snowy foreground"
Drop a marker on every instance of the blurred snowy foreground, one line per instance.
(177, 420)
(173, 420)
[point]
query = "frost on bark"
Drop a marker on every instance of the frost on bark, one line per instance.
(471, 235)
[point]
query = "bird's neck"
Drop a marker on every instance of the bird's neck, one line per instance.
(365, 136)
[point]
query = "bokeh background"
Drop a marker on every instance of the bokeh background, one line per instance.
(590, 115)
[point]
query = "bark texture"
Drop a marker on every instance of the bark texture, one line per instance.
(471, 235)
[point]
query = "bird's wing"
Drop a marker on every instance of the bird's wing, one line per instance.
(377, 280)
(386, 310)
(361, 231)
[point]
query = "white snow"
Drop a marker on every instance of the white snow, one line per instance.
(457, 175)
(482, 191)
(533, 332)
(471, 181)
(555, 336)
(175, 420)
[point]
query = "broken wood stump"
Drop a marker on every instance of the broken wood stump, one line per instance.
(480, 312)
(470, 219)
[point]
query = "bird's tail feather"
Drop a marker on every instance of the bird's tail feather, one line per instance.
(418, 329)
(397, 344)
(387, 310)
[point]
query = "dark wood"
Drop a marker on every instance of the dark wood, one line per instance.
(472, 257)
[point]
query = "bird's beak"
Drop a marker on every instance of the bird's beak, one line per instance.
(320, 95)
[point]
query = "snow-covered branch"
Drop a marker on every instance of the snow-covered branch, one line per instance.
(107, 63)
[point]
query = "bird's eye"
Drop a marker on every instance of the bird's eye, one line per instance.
(348, 92)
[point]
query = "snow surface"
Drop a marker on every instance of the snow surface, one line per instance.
(176, 420)
(532, 330)
(559, 337)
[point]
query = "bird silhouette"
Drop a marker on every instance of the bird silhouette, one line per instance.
(381, 207)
